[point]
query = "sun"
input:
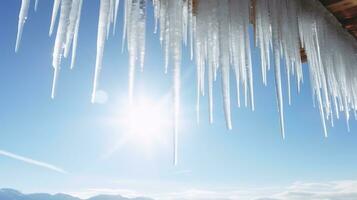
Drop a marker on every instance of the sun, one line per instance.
(144, 124)
(145, 119)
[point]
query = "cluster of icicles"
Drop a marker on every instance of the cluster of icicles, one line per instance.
(217, 33)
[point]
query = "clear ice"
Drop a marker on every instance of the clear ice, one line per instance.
(217, 33)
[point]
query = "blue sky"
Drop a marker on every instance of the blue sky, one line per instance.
(71, 133)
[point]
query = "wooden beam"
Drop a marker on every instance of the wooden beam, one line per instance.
(194, 7)
(342, 5)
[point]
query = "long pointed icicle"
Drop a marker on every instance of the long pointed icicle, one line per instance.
(60, 41)
(36, 5)
(56, 5)
(25, 4)
(135, 34)
(116, 14)
(175, 31)
(171, 33)
(103, 22)
(276, 25)
(279, 95)
(72, 25)
(224, 59)
(75, 37)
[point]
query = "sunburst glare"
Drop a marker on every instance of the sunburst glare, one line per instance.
(144, 125)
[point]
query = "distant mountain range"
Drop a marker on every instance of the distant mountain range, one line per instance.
(11, 194)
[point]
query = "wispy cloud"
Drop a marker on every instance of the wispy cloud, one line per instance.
(328, 190)
(32, 162)
(332, 190)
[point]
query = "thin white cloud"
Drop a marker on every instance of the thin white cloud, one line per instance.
(333, 190)
(32, 162)
(327, 190)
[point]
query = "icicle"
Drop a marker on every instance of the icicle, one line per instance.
(263, 35)
(22, 19)
(116, 14)
(275, 15)
(127, 9)
(175, 31)
(198, 84)
(60, 41)
(279, 94)
(75, 37)
(56, 5)
(36, 5)
(210, 92)
(72, 26)
(142, 33)
(135, 34)
(224, 58)
(104, 13)
(176, 72)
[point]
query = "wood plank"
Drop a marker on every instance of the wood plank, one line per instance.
(342, 5)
